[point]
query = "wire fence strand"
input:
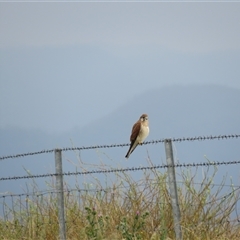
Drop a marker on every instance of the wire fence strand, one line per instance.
(106, 171)
(107, 189)
(183, 139)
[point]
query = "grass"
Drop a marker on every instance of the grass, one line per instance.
(126, 208)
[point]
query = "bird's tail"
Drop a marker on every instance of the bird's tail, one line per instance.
(128, 153)
(131, 149)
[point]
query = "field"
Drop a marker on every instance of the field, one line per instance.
(125, 208)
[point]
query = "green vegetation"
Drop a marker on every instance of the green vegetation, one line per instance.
(128, 209)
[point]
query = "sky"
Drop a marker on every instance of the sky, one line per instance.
(65, 65)
(184, 27)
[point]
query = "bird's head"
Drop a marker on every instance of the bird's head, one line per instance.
(144, 117)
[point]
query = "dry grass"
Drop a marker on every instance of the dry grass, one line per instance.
(129, 209)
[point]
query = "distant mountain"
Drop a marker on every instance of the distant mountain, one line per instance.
(174, 111)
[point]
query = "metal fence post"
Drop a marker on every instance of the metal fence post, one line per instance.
(173, 188)
(60, 195)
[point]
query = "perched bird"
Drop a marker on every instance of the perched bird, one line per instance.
(140, 131)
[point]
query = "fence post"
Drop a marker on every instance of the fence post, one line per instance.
(60, 195)
(173, 188)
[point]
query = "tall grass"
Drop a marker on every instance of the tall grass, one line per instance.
(126, 208)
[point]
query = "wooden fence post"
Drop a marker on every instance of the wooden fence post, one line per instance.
(60, 194)
(173, 189)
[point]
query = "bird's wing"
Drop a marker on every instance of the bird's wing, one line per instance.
(135, 131)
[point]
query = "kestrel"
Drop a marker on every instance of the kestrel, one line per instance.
(140, 131)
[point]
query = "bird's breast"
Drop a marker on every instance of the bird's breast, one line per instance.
(143, 133)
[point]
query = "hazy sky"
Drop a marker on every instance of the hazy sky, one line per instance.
(66, 64)
(185, 27)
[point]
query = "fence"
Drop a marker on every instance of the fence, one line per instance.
(59, 174)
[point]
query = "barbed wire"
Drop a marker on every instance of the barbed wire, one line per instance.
(183, 139)
(106, 171)
(108, 189)
(28, 196)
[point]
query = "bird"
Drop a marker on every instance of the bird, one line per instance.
(140, 131)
